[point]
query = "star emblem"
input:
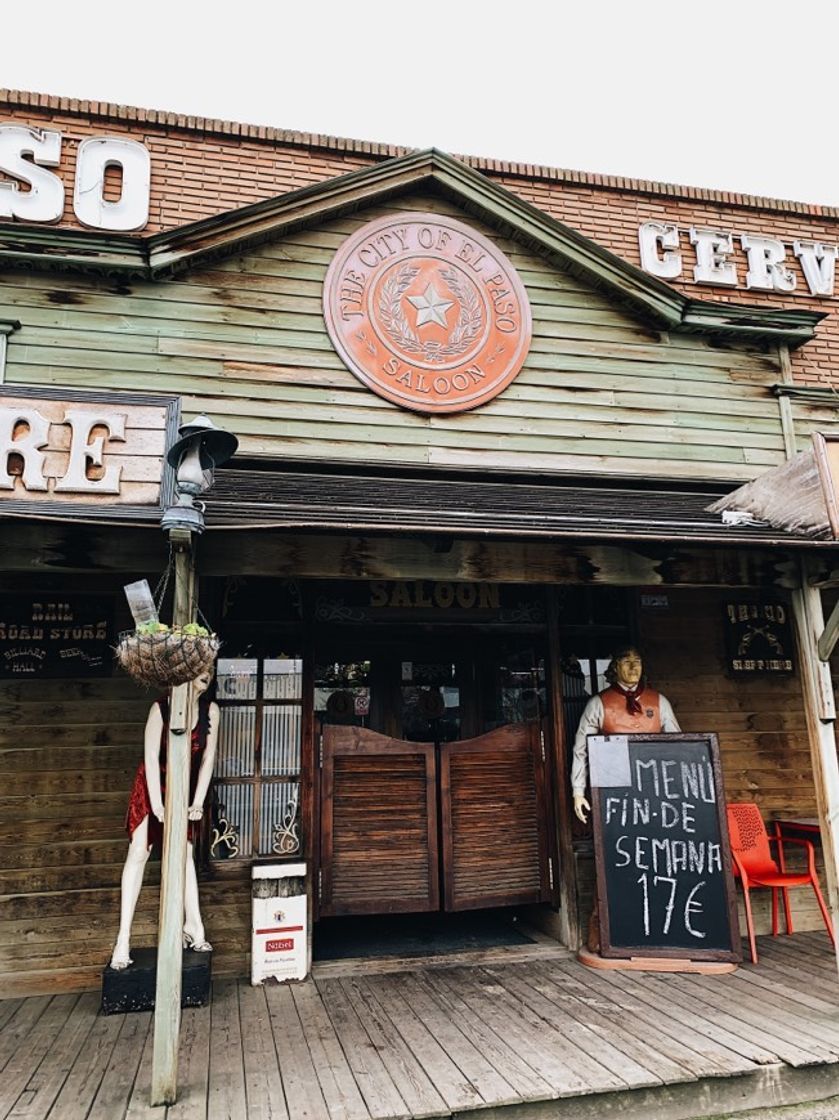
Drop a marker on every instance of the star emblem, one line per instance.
(431, 307)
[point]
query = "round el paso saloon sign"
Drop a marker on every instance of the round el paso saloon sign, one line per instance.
(427, 312)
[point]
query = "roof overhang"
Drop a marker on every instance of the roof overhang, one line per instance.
(162, 255)
(370, 503)
(801, 496)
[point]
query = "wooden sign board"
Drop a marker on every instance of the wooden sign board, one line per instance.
(664, 880)
(64, 451)
(426, 600)
(758, 637)
(56, 636)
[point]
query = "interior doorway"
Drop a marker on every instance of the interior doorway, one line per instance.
(435, 784)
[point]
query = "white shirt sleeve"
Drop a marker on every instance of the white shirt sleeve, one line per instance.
(669, 723)
(591, 722)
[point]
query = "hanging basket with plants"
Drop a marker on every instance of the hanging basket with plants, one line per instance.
(161, 656)
(158, 656)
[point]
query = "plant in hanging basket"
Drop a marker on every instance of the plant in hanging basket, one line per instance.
(158, 656)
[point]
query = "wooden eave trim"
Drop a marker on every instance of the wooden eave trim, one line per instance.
(236, 230)
(47, 247)
(826, 397)
(149, 516)
(577, 252)
(162, 254)
(794, 327)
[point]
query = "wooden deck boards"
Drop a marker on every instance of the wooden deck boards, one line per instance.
(490, 1037)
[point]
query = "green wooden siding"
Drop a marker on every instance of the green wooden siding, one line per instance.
(245, 341)
(812, 417)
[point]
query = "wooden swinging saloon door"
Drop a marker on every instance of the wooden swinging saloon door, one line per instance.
(399, 819)
(494, 816)
(379, 824)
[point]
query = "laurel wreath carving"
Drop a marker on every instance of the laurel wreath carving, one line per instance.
(395, 322)
(390, 309)
(470, 319)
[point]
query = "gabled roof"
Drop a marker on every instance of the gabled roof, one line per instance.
(164, 254)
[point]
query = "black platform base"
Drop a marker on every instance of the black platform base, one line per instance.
(132, 988)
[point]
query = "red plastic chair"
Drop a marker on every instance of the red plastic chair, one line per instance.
(755, 867)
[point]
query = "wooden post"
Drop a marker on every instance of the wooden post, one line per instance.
(830, 634)
(167, 1007)
(568, 917)
(820, 711)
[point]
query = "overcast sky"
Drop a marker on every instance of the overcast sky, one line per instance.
(735, 94)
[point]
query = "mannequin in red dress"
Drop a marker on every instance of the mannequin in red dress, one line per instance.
(144, 818)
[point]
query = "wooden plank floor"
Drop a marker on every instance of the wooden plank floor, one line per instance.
(533, 1037)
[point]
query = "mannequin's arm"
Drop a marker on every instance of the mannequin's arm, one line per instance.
(151, 743)
(581, 807)
(669, 723)
(591, 722)
(205, 773)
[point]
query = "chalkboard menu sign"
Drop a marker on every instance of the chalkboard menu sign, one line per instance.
(663, 861)
(56, 636)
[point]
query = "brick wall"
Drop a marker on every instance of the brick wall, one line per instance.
(202, 167)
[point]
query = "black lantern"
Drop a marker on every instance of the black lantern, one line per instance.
(201, 448)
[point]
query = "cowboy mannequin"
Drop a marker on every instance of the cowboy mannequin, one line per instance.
(626, 707)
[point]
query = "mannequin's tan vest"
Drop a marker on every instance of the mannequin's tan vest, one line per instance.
(618, 721)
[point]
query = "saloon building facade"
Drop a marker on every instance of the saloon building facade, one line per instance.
(483, 410)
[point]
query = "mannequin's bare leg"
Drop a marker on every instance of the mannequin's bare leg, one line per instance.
(193, 926)
(132, 881)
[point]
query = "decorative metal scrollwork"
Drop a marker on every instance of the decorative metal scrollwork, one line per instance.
(523, 612)
(286, 839)
(226, 834)
(336, 610)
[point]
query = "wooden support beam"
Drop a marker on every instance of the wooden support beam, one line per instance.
(820, 711)
(167, 1008)
(568, 917)
(827, 640)
(63, 547)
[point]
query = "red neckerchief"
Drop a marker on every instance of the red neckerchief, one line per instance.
(633, 704)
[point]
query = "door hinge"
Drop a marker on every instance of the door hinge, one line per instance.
(542, 743)
(320, 748)
(551, 871)
(320, 884)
